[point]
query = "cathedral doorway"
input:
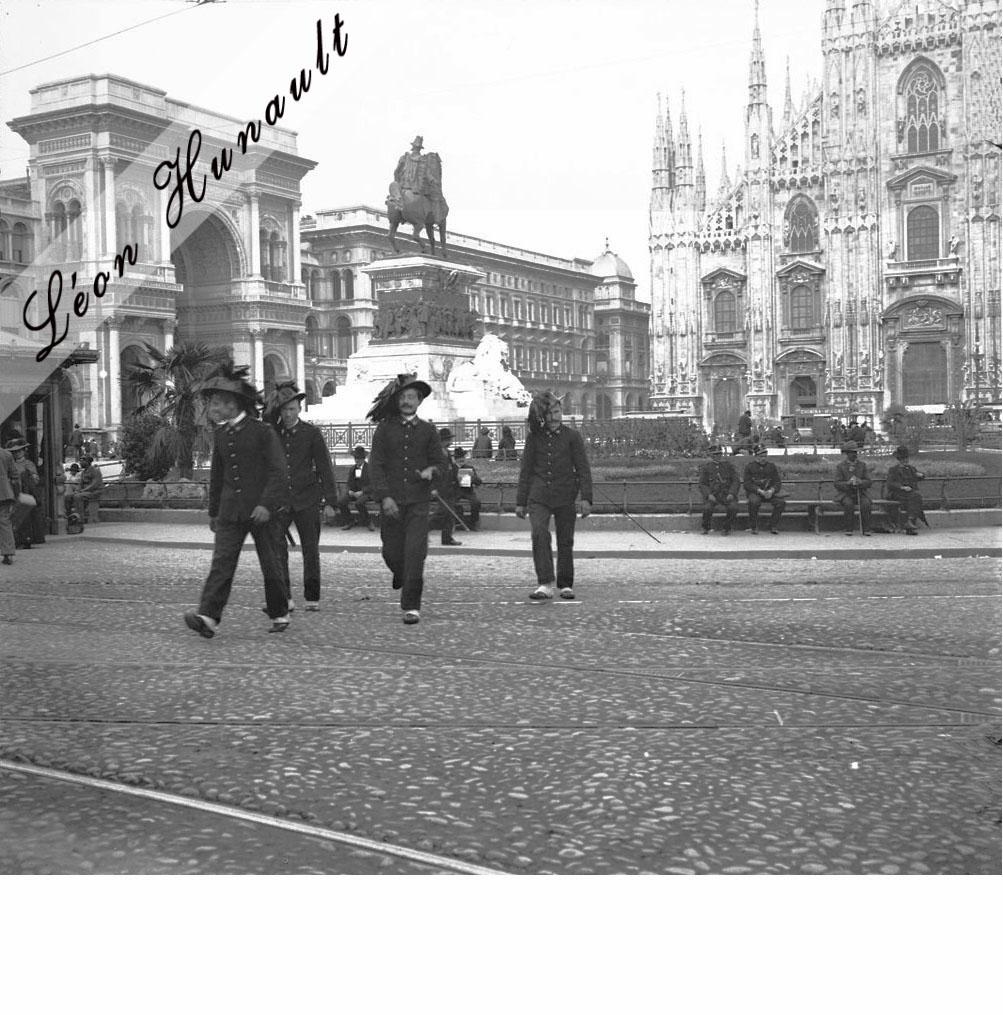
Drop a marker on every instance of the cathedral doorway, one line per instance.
(924, 373)
(727, 403)
(803, 393)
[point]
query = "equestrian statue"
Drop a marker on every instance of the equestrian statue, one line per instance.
(416, 197)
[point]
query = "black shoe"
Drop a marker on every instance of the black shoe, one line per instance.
(6, 559)
(451, 542)
(197, 623)
(347, 526)
(776, 532)
(279, 625)
(411, 616)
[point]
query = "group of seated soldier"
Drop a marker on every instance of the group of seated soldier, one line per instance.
(720, 485)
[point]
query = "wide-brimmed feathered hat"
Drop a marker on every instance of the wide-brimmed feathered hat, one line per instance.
(233, 381)
(850, 446)
(283, 393)
(16, 444)
(385, 403)
(540, 407)
(901, 451)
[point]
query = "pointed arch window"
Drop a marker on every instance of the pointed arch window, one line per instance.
(801, 226)
(802, 308)
(924, 102)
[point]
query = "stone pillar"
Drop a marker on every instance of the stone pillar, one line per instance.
(254, 219)
(301, 362)
(258, 361)
(168, 336)
(92, 230)
(294, 245)
(110, 237)
(114, 419)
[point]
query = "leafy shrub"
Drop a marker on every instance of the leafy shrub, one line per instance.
(142, 443)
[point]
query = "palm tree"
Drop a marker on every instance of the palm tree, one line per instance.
(168, 385)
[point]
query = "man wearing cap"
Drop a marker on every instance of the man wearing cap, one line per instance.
(10, 488)
(90, 487)
(446, 489)
(553, 472)
(468, 481)
(311, 483)
(853, 483)
(406, 458)
(761, 480)
(358, 492)
(718, 482)
(902, 485)
(248, 487)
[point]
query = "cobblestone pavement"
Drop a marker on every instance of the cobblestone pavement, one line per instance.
(681, 716)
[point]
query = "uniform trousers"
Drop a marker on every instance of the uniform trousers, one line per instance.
(308, 526)
(849, 503)
(777, 503)
(405, 546)
(543, 557)
(730, 511)
(230, 538)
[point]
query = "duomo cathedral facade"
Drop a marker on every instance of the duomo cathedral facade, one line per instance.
(854, 261)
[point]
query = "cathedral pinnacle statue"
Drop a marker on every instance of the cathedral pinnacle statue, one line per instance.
(416, 196)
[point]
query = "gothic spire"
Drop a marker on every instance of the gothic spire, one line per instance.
(788, 105)
(757, 65)
(700, 195)
(725, 185)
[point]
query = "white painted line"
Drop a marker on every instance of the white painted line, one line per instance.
(371, 845)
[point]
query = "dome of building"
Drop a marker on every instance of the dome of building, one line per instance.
(608, 264)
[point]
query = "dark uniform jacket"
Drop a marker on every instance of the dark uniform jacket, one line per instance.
(902, 475)
(448, 482)
(358, 478)
(311, 477)
(761, 476)
(400, 451)
(248, 469)
(554, 469)
(719, 479)
(844, 470)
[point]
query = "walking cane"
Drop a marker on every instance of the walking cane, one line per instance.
(859, 514)
(451, 511)
(609, 500)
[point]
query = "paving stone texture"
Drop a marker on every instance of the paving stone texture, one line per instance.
(681, 716)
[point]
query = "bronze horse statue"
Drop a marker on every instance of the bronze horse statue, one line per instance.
(423, 210)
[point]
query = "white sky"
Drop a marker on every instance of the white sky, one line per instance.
(542, 110)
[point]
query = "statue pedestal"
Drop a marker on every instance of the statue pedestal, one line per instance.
(424, 326)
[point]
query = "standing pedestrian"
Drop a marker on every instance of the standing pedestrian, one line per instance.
(10, 488)
(853, 484)
(553, 472)
(718, 482)
(469, 480)
(483, 445)
(76, 442)
(27, 510)
(406, 458)
(248, 488)
(447, 488)
(311, 485)
(761, 480)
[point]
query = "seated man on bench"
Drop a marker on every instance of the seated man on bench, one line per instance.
(91, 485)
(762, 486)
(902, 485)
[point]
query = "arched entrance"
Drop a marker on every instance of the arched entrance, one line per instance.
(924, 373)
(800, 375)
(604, 407)
(924, 352)
(275, 369)
(726, 403)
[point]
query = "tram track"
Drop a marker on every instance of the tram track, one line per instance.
(300, 828)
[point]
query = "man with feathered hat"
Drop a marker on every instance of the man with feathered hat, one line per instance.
(406, 458)
(554, 470)
(311, 483)
(248, 487)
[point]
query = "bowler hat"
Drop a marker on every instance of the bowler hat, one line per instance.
(16, 444)
(901, 451)
(445, 434)
(359, 451)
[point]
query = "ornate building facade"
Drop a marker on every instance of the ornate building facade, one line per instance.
(571, 324)
(855, 260)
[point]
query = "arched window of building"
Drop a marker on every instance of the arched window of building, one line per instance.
(924, 104)
(628, 358)
(923, 231)
(725, 315)
(329, 388)
(490, 301)
(58, 222)
(518, 309)
(505, 307)
(544, 314)
(5, 247)
(11, 301)
(74, 230)
(801, 225)
(21, 246)
(266, 254)
(349, 279)
(335, 286)
(802, 315)
(312, 342)
(343, 337)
